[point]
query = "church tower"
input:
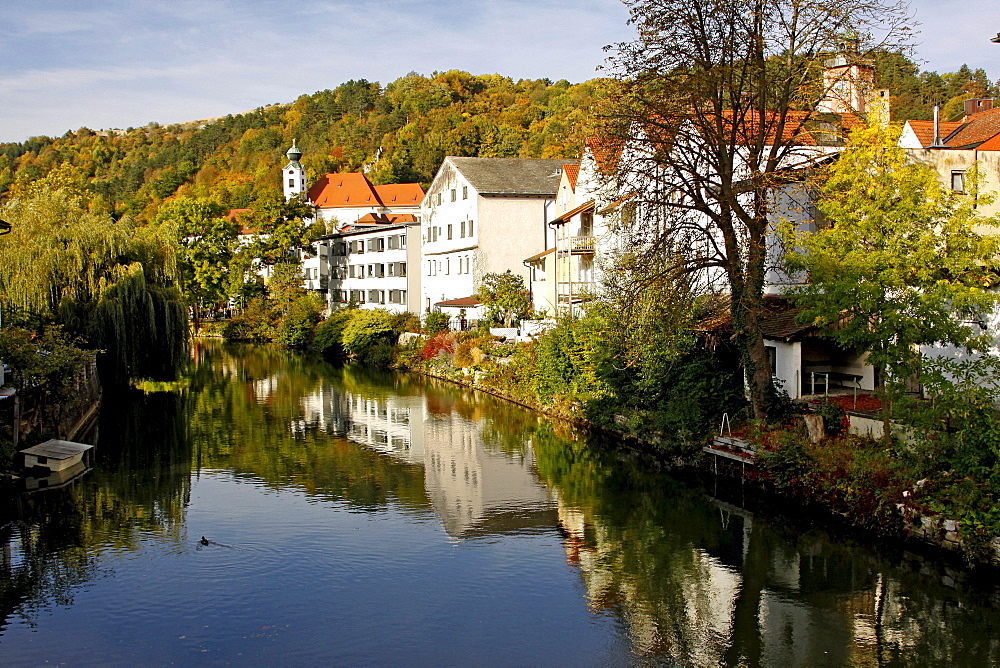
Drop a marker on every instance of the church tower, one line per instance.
(293, 177)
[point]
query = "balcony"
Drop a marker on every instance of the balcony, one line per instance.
(576, 292)
(582, 245)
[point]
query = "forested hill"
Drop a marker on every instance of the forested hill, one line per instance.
(396, 133)
(399, 133)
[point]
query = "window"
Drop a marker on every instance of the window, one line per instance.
(470, 228)
(402, 241)
(352, 269)
(447, 266)
(340, 249)
(434, 233)
(772, 359)
(401, 269)
(465, 192)
(462, 229)
(454, 195)
(392, 268)
(439, 199)
(344, 296)
(393, 242)
(358, 246)
(958, 181)
(449, 231)
(376, 245)
(371, 271)
(291, 182)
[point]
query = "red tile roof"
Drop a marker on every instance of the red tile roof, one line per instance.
(992, 144)
(353, 189)
(385, 219)
(350, 189)
(572, 172)
(976, 129)
(607, 152)
(400, 194)
(461, 301)
(778, 321)
(803, 128)
(924, 130)
(235, 214)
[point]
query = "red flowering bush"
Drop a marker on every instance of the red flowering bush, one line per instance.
(442, 342)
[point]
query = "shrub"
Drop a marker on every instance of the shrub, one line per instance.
(436, 322)
(327, 337)
(258, 322)
(405, 322)
(365, 330)
(299, 321)
(442, 342)
(833, 417)
(236, 329)
(467, 353)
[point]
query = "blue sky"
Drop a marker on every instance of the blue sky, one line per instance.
(119, 63)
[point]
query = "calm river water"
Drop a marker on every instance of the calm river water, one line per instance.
(356, 517)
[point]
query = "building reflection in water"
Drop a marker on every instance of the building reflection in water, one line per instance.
(475, 487)
(693, 578)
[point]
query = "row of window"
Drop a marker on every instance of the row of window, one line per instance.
(373, 245)
(462, 264)
(392, 269)
(373, 296)
(454, 194)
(466, 229)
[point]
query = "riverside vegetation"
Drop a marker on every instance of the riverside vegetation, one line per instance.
(117, 234)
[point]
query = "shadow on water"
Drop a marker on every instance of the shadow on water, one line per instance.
(691, 573)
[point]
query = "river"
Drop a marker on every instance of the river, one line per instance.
(360, 517)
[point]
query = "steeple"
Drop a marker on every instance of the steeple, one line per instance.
(293, 176)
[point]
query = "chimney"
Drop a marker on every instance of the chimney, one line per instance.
(937, 143)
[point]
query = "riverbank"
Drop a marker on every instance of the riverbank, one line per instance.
(890, 493)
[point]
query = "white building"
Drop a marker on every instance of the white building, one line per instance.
(374, 266)
(480, 216)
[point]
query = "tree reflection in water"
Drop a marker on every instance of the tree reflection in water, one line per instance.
(691, 577)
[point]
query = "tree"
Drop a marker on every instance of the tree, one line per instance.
(505, 298)
(903, 262)
(110, 282)
(716, 102)
(206, 239)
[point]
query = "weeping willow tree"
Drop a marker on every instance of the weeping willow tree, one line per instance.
(110, 282)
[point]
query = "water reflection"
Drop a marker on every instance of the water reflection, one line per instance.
(686, 576)
(702, 580)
